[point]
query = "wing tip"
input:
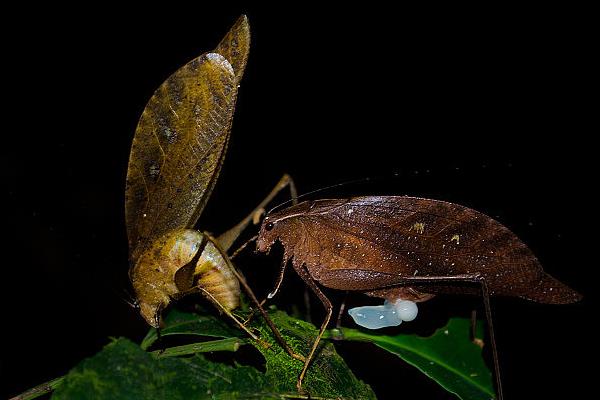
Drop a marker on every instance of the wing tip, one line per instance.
(550, 290)
(235, 46)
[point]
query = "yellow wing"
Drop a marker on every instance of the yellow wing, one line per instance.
(180, 142)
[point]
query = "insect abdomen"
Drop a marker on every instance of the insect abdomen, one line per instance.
(214, 274)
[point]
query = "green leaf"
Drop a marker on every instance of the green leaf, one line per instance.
(183, 323)
(122, 370)
(448, 356)
(328, 374)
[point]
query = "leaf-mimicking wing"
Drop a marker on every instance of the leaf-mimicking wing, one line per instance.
(365, 242)
(180, 142)
(178, 148)
(235, 46)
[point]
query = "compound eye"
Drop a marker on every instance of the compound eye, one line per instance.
(269, 226)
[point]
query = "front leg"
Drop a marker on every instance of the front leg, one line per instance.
(268, 320)
(271, 294)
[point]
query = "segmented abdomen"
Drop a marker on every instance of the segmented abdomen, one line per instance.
(214, 274)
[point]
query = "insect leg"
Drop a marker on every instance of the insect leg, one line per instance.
(242, 247)
(488, 316)
(338, 322)
(279, 280)
(474, 278)
(240, 278)
(328, 307)
(227, 238)
(474, 338)
(208, 295)
(268, 320)
(273, 292)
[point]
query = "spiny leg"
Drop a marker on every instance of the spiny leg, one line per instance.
(227, 238)
(268, 320)
(328, 307)
(222, 308)
(233, 317)
(279, 281)
(273, 292)
(281, 272)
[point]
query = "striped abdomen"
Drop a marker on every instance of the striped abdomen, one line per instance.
(214, 274)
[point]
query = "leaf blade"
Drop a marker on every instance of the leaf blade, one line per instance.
(327, 376)
(182, 323)
(448, 357)
(123, 371)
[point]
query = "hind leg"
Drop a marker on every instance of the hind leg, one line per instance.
(227, 238)
(477, 341)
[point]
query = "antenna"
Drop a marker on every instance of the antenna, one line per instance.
(345, 183)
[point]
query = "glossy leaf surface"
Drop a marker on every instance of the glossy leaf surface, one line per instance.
(449, 357)
(122, 370)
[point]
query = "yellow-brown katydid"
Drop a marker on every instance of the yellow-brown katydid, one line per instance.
(176, 155)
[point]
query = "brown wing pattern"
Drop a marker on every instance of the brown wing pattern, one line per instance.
(178, 149)
(235, 46)
(180, 141)
(405, 236)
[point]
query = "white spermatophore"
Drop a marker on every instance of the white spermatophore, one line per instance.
(388, 314)
(407, 310)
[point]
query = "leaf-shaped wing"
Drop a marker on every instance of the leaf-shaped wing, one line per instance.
(235, 46)
(178, 149)
(365, 243)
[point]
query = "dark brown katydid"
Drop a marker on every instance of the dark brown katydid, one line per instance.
(176, 155)
(396, 247)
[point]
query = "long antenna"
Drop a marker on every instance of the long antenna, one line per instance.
(278, 206)
(349, 182)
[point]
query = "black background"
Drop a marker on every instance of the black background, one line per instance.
(483, 107)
